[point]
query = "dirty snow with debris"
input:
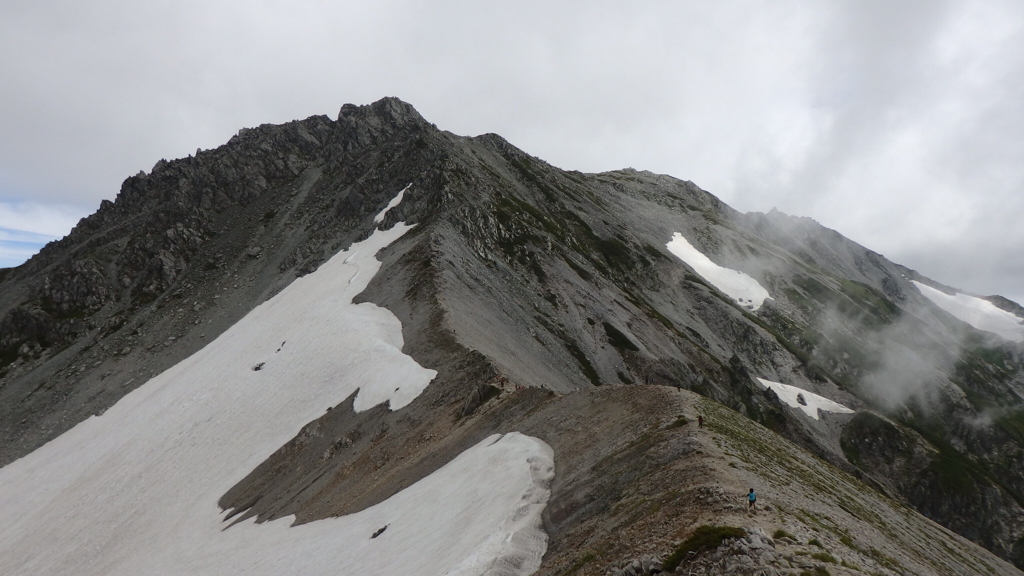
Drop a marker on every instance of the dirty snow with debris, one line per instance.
(135, 491)
(977, 312)
(745, 290)
(812, 402)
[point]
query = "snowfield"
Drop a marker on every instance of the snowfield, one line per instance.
(135, 491)
(977, 312)
(788, 394)
(745, 290)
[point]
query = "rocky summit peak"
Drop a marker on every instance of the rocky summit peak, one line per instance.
(388, 107)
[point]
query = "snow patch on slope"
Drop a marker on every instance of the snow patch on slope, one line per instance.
(394, 202)
(135, 491)
(812, 401)
(977, 312)
(737, 285)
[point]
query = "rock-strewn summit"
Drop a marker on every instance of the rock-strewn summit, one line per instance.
(549, 302)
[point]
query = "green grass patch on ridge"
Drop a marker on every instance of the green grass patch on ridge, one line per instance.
(703, 539)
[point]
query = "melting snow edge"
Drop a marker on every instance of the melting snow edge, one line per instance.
(739, 286)
(814, 402)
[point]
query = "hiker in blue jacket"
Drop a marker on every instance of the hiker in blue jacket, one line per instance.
(752, 500)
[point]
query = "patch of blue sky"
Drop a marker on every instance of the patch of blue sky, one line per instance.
(17, 246)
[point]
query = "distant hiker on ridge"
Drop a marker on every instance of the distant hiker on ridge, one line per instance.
(752, 501)
(700, 421)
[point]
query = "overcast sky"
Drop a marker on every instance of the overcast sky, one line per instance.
(899, 124)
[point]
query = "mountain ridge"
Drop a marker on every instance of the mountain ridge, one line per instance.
(516, 274)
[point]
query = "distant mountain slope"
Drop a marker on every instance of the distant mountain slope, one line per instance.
(530, 290)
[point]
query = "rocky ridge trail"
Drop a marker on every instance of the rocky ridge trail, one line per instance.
(811, 516)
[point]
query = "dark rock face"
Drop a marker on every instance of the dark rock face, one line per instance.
(517, 275)
(81, 289)
(183, 252)
(936, 479)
